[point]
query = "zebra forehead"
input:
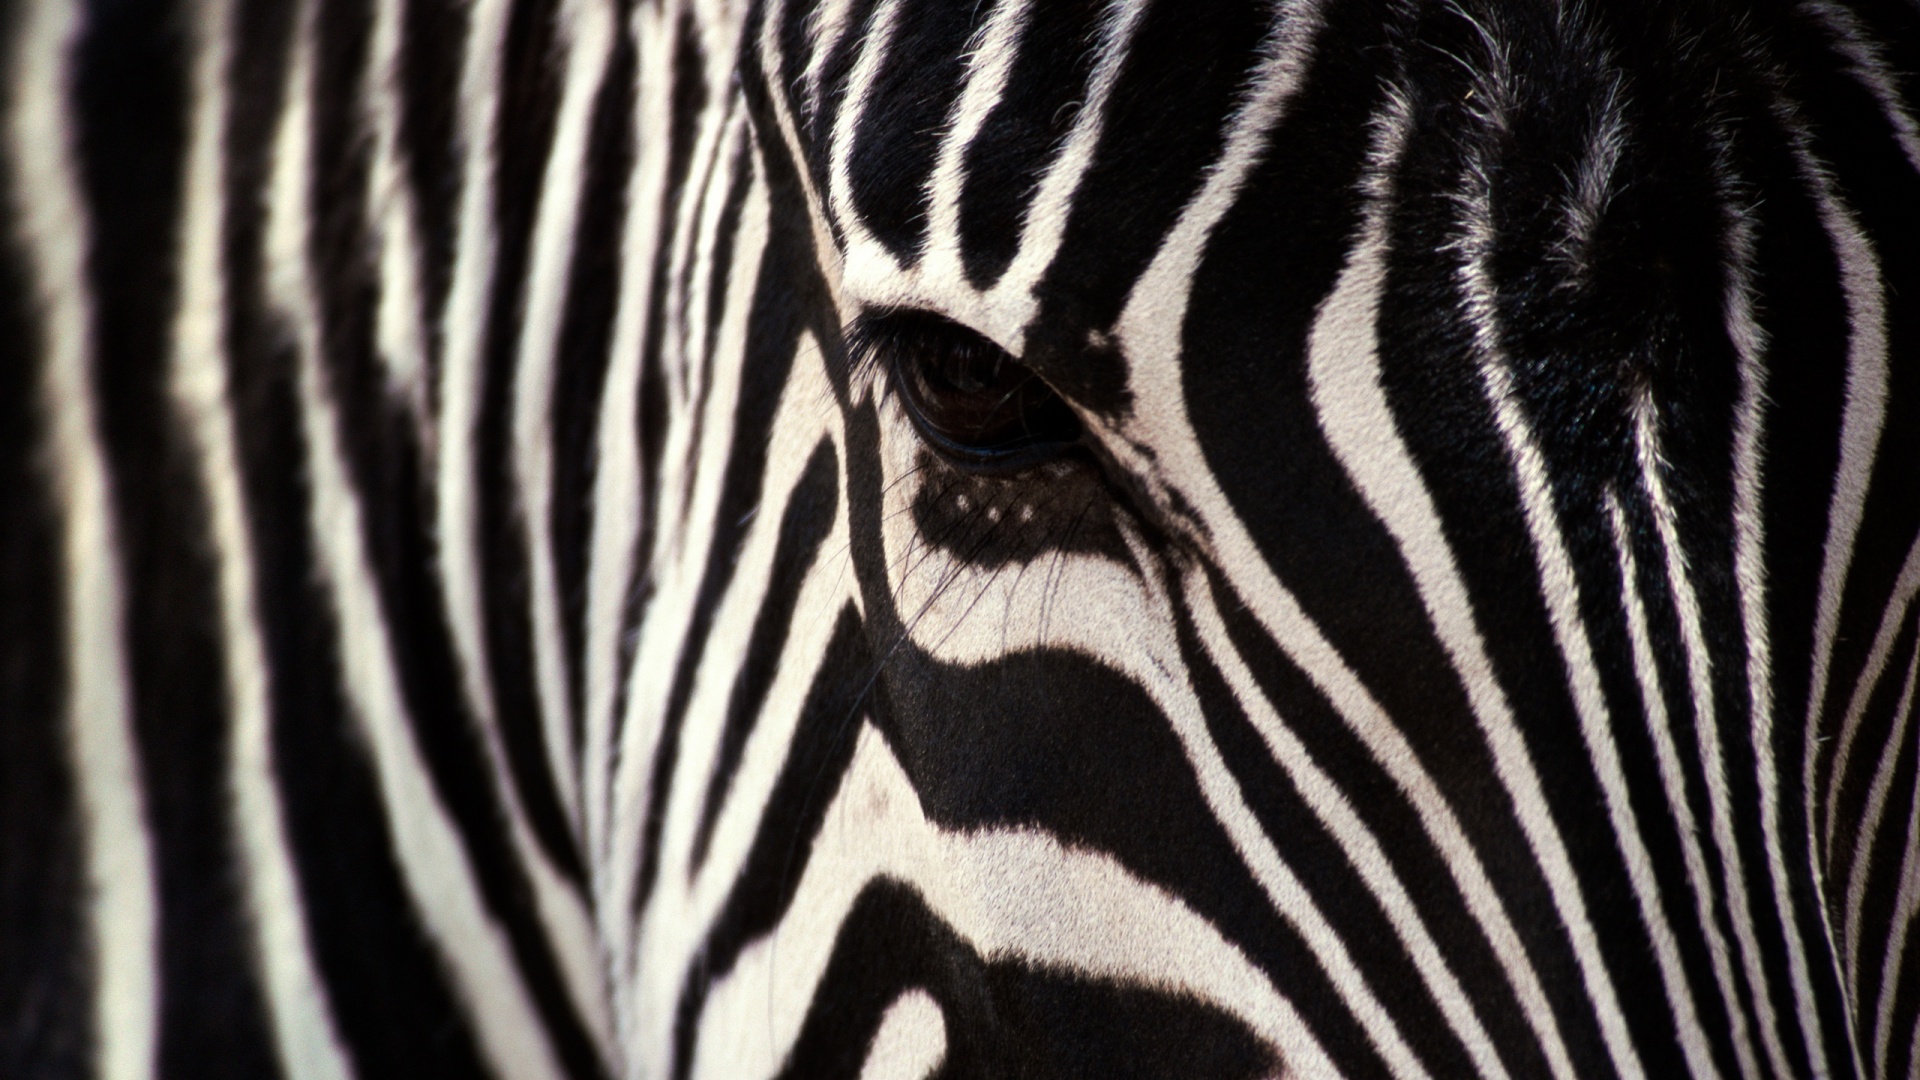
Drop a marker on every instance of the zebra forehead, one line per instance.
(1026, 168)
(1150, 204)
(1016, 166)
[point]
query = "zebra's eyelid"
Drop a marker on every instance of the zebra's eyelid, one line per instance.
(868, 333)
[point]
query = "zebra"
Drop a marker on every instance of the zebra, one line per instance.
(887, 538)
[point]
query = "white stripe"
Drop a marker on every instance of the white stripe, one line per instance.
(911, 1042)
(400, 337)
(1906, 907)
(568, 925)
(305, 1038)
(1853, 41)
(823, 596)
(1860, 427)
(1150, 325)
(860, 245)
(1905, 587)
(681, 909)
(877, 279)
(1712, 753)
(683, 338)
(1059, 908)
(1149, 330)
(1673, 781)
(1707, 735)
(670, 608)
(1362, 849)
(722, 127)
(826, 25)
(1559, 592)
(825, 590)
(694, 283)
(433, 864)
(586, 27)
(619, 498)
(1593, 182)
(1343, 371)
(1015, 303)
(54, 230)
(672, 930)
(1750, 577)
(990, 60)
(1289, 897)
(679, 571)
(964, 625)
(465, 322)
(1872, 817)
(832, 15)
(400, 329)
(674, 604)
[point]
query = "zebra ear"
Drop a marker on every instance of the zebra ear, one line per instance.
(969, 399)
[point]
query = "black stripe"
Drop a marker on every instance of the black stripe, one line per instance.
(835, 74)
(706, 188)
(1801, 308)
(1003, 1018)
(1880, 188)
(1430, 376)
(1057, 740)
(821, 749)
(1886, 848)
(583, 355)
(1873, 746)
(1044, 94)
(386, 990)
(46, 1014)
(131, 104)
(431, 35)
(523, 139)
(773, 331)
(721, 246)
(1391, 817)
(1906, 1011)
(1643, 319)
(1060, 742)
(1657, 825)
(688, 99)
(387, 474)
(803, 530)
(1166, 121)
(901, 129)
(1324, 868)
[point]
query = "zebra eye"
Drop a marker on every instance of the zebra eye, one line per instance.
(969, 399)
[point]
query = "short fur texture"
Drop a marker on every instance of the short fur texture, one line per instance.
(476, 598)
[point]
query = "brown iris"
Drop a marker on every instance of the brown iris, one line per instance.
(970, 399)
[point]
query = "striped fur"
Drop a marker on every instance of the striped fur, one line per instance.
(477, 601)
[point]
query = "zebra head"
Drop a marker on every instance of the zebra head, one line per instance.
(1298, 538)
(702, 539)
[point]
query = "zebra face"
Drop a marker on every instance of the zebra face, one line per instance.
(1292, 483)
(688, 539)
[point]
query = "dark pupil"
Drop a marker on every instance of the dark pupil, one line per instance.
(968, 398)
(966, 395)
(977, 400)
